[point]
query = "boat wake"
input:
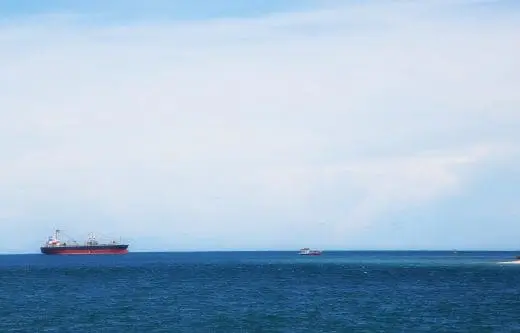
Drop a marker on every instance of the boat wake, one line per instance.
(517, 262)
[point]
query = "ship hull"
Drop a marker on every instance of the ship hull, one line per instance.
(88, 250)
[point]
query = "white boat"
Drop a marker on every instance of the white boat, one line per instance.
(309, 252)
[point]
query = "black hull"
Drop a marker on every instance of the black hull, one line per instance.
(85, 249)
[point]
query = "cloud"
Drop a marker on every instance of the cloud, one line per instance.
(279, 131)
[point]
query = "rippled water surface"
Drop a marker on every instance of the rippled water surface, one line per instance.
(261, 292)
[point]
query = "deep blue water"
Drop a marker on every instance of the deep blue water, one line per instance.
(261, 292)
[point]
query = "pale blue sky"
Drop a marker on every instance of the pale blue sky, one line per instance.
(132, 10)
(218, 125)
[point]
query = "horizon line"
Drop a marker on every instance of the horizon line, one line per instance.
(294, 251)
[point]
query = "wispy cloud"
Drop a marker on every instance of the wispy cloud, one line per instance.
(288, 129)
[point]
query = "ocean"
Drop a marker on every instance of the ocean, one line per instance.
(261, 292)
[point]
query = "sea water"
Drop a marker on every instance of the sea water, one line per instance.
(261, 292)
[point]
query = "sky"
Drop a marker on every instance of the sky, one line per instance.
(261, 125)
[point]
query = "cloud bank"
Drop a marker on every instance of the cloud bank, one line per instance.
(280, 131)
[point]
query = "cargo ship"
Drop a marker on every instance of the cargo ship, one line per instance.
(55, 246)
(308, 252)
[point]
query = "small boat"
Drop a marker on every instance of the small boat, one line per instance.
(309, 252)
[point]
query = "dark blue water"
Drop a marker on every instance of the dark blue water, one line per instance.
(261, 292)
